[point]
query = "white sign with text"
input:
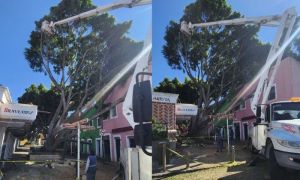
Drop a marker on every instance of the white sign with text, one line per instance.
(164, 97)
(186, 109)
(18, 111)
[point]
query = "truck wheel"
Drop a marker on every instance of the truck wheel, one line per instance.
(276, 172)
(253, 150)
(122, 173)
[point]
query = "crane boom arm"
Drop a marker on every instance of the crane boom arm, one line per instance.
(49, 27)
(263, 20)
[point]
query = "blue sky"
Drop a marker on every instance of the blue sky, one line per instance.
(17, 23)
(166, 10)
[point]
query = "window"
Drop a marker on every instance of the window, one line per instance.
(81, 145)
(272, 94)
(131, 142)
(98, 121)
(243, 104)
(113, 112)
(91, 122)
(286, 111)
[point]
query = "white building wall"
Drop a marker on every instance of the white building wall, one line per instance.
(9, 146)
(2, 136)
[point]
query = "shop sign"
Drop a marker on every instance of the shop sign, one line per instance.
(186, 109)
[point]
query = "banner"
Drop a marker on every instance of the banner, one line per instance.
(164, 97)
(186, 109)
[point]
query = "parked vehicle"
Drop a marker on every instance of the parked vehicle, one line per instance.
(277, 137)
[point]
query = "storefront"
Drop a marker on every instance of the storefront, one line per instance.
(176, 117)
(163, 111)
(15, 121)
(184, 115)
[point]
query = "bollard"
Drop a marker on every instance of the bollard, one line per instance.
(233, 153)
(164, 156)
(188, 160)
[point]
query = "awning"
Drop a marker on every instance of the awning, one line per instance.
(84, 125)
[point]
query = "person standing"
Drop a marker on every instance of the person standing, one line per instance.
(90, 168)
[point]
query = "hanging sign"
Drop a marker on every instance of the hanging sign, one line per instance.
(164, 97)
(18, 111)
(186, 109)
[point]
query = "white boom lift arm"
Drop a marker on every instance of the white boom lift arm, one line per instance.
(285, 23)
(49, 27)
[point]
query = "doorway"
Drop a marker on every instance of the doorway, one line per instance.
(106, 149)
(89, 146)
(98, 148)
(237, 131)
(245, 125)
(118, 147)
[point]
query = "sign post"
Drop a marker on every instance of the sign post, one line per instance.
(228, 148)
(78, 150)
(79, 125)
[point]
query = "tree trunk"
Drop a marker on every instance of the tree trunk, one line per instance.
(54, 120)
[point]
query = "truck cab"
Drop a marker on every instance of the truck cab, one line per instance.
(277, 135)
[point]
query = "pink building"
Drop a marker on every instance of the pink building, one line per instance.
(286, 85)
(118, 133)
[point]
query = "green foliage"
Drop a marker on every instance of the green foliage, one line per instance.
(186, 90)
(87, 52)
(159, 131)
(46, 100)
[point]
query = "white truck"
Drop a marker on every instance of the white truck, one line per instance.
(276, 133)
(135, 163)
(277, 136)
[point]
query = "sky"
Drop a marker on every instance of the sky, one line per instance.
(166, 10)
(17, 22)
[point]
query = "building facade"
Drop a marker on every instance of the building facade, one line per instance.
(163, 111)
(174, 116)
(117, 133)
(15, 122)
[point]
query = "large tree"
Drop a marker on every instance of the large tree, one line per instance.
(79, 57)
(216, 59)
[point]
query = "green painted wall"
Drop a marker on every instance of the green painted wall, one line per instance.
(90, 135)
(93, 134)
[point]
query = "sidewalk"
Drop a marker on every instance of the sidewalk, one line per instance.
(65, 171)
(206, 158)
